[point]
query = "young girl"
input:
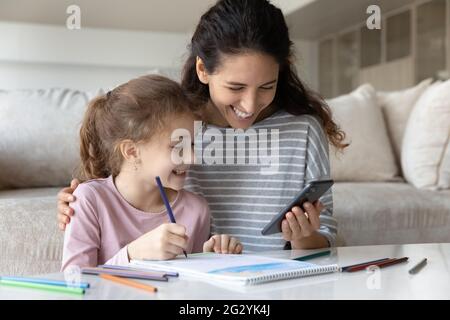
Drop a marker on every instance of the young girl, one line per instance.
(126, 135)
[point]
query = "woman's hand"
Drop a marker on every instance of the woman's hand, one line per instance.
(222, 243)
(162, 243)
(64, 198)
(300, 225)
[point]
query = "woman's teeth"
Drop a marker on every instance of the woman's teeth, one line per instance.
(176, 171)
(242, 115)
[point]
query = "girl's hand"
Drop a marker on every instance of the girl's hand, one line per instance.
(299, 224)
(162, 243)
(222, 243)
(64, 198)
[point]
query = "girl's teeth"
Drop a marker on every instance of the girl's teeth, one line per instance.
(242, 115)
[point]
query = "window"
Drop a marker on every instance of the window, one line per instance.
(398, 36)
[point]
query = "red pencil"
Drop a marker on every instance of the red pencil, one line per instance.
(380, 264)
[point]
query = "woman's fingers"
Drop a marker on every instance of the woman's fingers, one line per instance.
(65, 195)
(74, 184)
(287, 232)
(238, 249)
(313, 214)
(302, 222)
(293, 223)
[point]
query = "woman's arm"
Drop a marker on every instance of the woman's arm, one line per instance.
(82, 237)
(65, 196)
(318, 228)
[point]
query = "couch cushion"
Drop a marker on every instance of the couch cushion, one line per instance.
(390, 213)
(39, 136)
(427, 137)
(396, 107)
(370, 155)
(30, 241)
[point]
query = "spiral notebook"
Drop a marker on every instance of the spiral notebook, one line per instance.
(239, 269)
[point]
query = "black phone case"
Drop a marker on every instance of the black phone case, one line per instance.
(310, 193)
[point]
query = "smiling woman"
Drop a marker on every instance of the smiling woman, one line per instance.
(240, 72)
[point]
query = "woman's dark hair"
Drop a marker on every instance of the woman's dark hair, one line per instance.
(239, 26)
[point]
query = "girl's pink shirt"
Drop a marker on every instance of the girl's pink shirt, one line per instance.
(104, 224)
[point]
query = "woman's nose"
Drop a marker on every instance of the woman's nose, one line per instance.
(249, 103)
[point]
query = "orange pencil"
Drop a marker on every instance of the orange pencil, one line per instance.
(130, 283)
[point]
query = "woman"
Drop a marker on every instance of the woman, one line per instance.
(240, 69)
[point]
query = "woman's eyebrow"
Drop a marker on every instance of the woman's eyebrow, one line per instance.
(232, 83)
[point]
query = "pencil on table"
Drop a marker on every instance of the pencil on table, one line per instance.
(130, 283)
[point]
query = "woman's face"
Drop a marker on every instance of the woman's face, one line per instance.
(240, 88)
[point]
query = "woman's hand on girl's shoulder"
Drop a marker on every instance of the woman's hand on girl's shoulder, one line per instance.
(223, 243)
(65, 196)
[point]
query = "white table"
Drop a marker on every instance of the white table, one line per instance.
(394, 282)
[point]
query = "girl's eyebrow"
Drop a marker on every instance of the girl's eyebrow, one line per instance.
(243, 84)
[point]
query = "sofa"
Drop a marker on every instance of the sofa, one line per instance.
(391, 184)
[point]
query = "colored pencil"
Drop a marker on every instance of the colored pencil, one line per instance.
(162, 272)
(129, 283)
(167, 204)
(368, 263)
(39, 286)
(125, 274)
(314, 255)
(381, 264)
(418, 266)
(83, 285)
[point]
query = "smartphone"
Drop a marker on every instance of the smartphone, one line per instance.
(310, 193)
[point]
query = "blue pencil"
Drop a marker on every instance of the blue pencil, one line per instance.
(167, 273)
(167, 204)
(82, 285)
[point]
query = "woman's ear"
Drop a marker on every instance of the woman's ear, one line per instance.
(201, 71)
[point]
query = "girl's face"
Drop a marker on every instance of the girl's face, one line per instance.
(242, 86)
(165, 158)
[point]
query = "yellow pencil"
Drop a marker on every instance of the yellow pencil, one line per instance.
(130, 283)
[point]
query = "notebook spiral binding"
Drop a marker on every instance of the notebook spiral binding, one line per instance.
(293, 274)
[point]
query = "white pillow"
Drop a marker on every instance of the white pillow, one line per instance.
(39, 136)
(425, 144)
(396, 107)
(369, 156)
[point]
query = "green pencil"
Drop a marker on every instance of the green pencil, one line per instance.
(42, 286)
(314, 255)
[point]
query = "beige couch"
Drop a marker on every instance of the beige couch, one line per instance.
(38, 150)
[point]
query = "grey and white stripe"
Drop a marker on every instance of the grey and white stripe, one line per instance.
(242, 199)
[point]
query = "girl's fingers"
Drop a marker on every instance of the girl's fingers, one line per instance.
(178, 241)
(233, 244)
(238, 249)
(171, 251)
(62, 226)
(217, 243)
(303, 222)
(287, 232)
(208, 246)
(224, 243)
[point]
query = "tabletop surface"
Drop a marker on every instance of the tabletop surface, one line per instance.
(394, 282)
